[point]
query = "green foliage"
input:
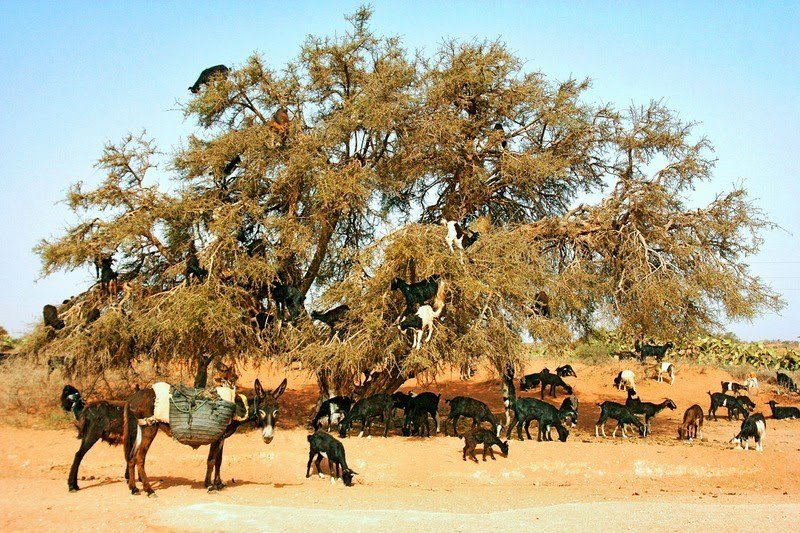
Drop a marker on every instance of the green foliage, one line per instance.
(725, 351)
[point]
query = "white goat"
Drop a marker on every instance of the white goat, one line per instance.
(666, 368)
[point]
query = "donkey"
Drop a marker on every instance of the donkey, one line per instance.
(259, 406)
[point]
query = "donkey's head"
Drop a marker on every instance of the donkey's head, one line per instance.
(265, 407)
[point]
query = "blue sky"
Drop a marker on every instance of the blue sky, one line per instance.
(79, 74)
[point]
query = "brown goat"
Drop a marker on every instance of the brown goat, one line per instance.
(692, 426)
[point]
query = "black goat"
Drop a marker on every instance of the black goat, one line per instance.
(553, 380)
(621, 414)
(753, 426)
(648, 409)
(780, 413)
(365, 410)
(231, 165)
(51, 319)
(331, 317)
(732, 386)
(498, 127)
(106, 274)
(566, 371)
(288, 299)
(193, 268)
(786, 382)
(652, 350)
(732, 403)
(416, 294)
(323, 444)
(417, 410)
(528, 409)
(531, 381)
(207, 74)
(470, 408)
(334, 409)
(97, 420)
(485, 437)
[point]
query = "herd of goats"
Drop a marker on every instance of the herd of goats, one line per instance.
(132, 423)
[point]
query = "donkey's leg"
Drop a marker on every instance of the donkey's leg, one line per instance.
(89, 439)
(148, 435)
(218, 484)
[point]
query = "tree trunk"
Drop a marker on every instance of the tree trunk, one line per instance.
(201, 376)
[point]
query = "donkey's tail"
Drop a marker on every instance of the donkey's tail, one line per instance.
(131, 433)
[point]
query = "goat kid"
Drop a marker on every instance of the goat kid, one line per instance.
(732, 386)
(625, 379)
(323, 444)
(470, 408)
(621, 414)
(485, 437)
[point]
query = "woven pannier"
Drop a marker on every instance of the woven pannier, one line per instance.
(198, 417)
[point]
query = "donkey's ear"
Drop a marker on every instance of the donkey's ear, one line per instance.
(281, 388)
(259, 389)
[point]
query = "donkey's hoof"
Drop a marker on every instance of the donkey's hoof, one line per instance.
(152, 494)
(219, 485)
(135, 491)
(74, 489)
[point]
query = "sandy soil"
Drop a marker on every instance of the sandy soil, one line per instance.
(657, 483)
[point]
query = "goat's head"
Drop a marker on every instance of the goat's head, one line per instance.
(265, 409)
(71, 399)
(347, 477)
(397, 283)
(226, 375)
(669, 403)
(504, 447)
(568, 389)
(563, 433)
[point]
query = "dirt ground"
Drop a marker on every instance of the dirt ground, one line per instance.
(657, 483)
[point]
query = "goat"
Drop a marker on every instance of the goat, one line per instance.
(648, 409)
(751, 382)
(331, 317)
(323, 444)
(51, 319)
(231, 165)
(668, 369)
(732, 403)
(553, 380)
(106, 274)
(96, 420)
(418, 409)
(498, 127)
(470, 408)
(334, 408)
(365, 410)
(546, 415)
(566, 371)
(625, 379)
(692, 426)
(780, 413)
(206, 76)
(457, 236)
(753, 426)
(654, 350)
(731, 386)
(287, 298)
(541, 304)
(621, 414)
(485, 437)
(531, 381)
(279, 121)
(400, 400)
(423, 318)
(193, 268)
(786, 382)
(416, 294)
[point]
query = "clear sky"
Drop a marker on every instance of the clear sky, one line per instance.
(76, 74)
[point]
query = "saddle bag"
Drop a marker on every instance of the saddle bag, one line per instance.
(198, 417)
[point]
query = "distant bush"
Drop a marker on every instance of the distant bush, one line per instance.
(728, 352)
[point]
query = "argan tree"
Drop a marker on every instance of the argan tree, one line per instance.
(330, 176)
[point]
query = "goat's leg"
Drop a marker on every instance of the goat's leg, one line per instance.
(528, 428)
(511, 425)
(544, 386)
(436, 419)
(308, 466)
(464, 452)
(318, 464)
(89, 439)
(455, 425)
(490, 450)
(430, 332)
